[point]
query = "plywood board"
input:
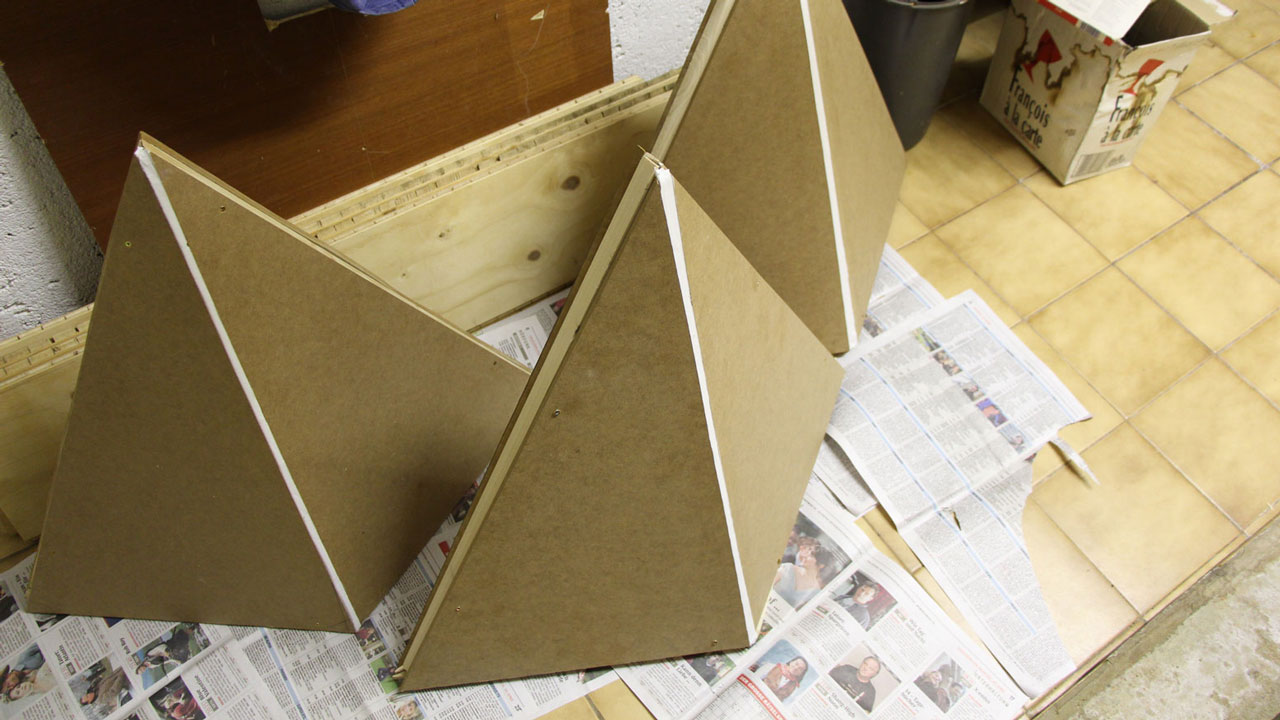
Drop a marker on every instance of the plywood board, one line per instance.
(511, 234)
(295, 116)
(380, 414)
(614, 451)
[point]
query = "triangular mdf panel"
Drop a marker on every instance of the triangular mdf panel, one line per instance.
(149, 523)
(770, 390)
(385, 414)
(867, 161)
(751, 132)
(603, 534)
(381, 414)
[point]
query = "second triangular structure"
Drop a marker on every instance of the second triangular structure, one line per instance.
(779, 130)
(262, 434)
(637, 505)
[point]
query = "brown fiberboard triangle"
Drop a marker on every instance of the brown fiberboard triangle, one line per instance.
(745, 134)
(382, 413)
(601, 534)
(770, 390)
(385, 414)
(144, 522)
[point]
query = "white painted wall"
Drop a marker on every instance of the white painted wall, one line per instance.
(651, 37)
(49, 262)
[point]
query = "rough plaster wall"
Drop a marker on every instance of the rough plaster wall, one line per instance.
(651, 37)
(49, 262)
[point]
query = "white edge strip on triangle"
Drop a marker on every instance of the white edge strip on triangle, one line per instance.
(149, 169)
(667, 188)
(842, 262)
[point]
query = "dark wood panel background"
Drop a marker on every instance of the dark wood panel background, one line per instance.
(295, 116)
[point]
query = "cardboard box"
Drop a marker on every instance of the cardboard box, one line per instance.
(1079, 100)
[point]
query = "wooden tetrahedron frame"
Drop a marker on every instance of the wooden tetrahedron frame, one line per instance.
(779, 130)
(639, 501)
(262, 433)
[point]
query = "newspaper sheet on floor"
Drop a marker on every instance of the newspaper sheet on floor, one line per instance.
(147, 670)
(847, 634)
(83, 668)
(941, 416)
(326, 676)
(522, 335)
(899, 293)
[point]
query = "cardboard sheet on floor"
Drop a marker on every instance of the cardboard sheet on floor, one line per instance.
(779, 130)
(262, 433)
(638, 504)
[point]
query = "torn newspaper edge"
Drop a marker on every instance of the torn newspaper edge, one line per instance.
(918, 419)
(868, 640)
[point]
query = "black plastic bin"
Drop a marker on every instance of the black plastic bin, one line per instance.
(911, 46)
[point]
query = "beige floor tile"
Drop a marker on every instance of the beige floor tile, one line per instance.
(1249, 216)
(946, 272)
(1254, 27)
(1119, 340)
(577, 710)
(1087, 609)
(1209, 60)
(1254, 357)
(1105, 417)
(1022, 249)
(615, 701)
(1195, 576)
(1223, 435)
(947, 174)
(1267, 63)
(877, 520)
(1114, 211)
(905, 227)
(1145, 527)
(974, 121)
(1208, 285)
(1190, 160)
(1244, 106)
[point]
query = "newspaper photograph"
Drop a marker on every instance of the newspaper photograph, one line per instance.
(60, 666)
(941, 417)
(869, 642)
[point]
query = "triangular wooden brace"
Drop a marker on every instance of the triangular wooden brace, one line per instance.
(169, 501)
(637, 505)
(779, 130)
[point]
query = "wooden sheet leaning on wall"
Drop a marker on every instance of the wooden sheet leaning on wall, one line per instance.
(592, 140)
(296, 116)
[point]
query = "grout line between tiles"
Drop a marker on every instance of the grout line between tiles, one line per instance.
(1187, 476)
(1076, 546)
(1228, 240)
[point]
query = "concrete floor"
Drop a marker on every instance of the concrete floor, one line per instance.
(1214, 653)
